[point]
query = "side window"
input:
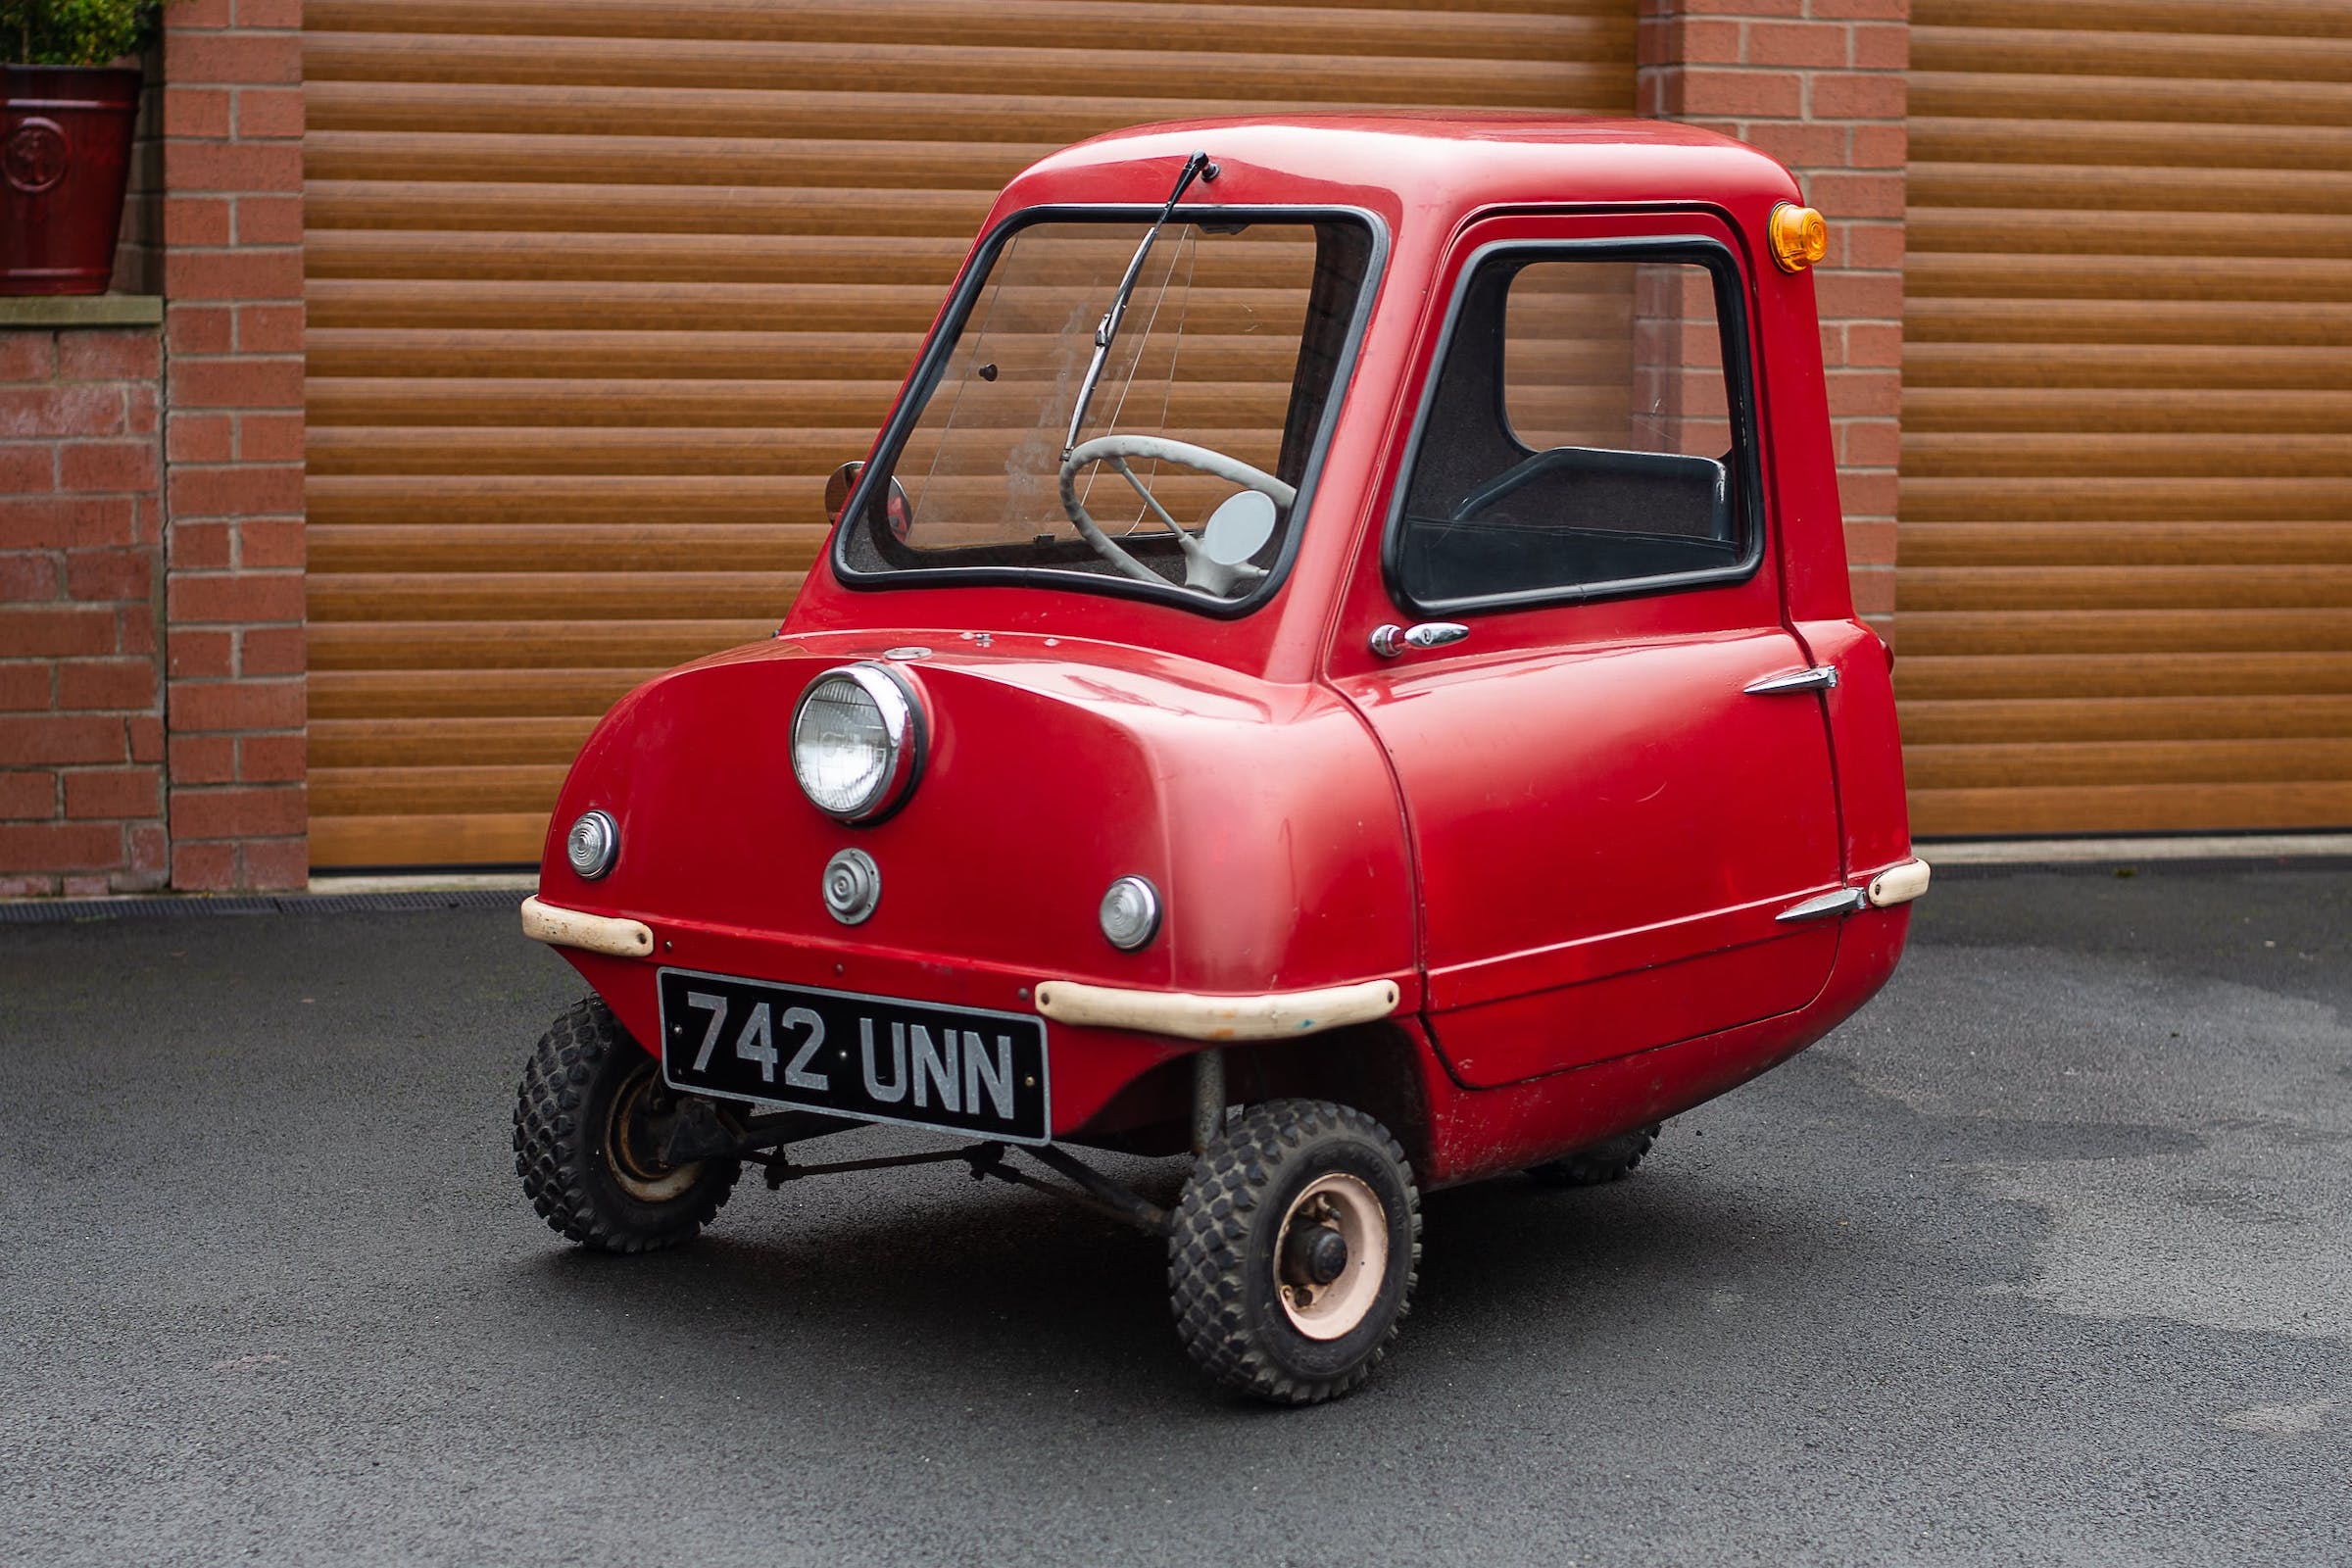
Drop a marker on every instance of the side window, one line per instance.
(1586, 434)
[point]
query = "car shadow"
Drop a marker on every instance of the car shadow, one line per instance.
(926, 1277)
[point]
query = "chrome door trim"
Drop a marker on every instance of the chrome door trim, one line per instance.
(1819, 678)
(1845, 901)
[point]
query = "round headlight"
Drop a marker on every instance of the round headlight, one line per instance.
(1129, 913)
(593, 844)
(857, 742)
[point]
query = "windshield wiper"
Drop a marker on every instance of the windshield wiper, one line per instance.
(1196, 167)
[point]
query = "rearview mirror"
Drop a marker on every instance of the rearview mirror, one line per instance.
(845, 479)
(838, 488)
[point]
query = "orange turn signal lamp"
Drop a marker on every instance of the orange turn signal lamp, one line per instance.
(1799, 236)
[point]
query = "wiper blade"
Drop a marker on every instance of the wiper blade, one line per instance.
(1196, 167)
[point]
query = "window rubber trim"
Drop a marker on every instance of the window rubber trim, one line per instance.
(933, 365)
(1730, 308)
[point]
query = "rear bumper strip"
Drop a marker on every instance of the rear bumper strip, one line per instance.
(1898, 883)
(1277, 1016)
(592, 933)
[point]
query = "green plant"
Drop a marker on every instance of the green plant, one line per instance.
(74, 32)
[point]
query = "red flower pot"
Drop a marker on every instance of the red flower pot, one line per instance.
(65, 155)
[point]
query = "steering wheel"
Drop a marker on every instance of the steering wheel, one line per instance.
(1202, 570)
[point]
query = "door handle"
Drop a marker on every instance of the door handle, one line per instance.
(1845, 901)
(1390, 641)
(1820, 678)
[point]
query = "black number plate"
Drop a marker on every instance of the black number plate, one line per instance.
(953, 1069)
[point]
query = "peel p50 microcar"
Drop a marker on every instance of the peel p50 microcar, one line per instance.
(1338, 667)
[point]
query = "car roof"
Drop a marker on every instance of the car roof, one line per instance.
(1425, 162)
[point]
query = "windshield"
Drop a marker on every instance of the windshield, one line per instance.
(1186, 471)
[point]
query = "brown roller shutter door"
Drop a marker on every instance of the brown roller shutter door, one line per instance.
(2125, 594)
(600, 290)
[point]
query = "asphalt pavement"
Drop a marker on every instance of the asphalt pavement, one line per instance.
(2044, 1258)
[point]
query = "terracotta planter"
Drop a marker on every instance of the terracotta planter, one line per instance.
(65, 157)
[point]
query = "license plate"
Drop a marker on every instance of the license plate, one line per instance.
(876, 1059)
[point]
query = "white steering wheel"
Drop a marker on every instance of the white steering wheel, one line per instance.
(1202, 569)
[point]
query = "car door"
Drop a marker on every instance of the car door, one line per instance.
(1616, 774)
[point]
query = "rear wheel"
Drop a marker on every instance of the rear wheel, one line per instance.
(1292, 1251)
(586, 1148)
(1611, 1160)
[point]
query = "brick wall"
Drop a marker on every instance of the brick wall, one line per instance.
(1820, 86)
(151, 504)
(233, 436)
(82, 729)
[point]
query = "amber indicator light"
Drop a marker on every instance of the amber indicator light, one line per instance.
(1800, 237)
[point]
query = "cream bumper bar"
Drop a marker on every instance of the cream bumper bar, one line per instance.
(1278, 1016)
(592, 933)
(1898, 883)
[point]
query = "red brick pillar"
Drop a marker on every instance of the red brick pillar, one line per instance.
(233, 433)
(82, 728)
(1820, 86)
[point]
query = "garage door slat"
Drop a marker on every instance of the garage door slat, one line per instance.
(490, 651)
(1930, 589)
(1147, 72)
(2291, 18)
(2024, 677)
(2053, 634)
(363, 744)
(2156, 142)
(2076, 763)
(2134, 543)
(2075, 719)
(2033, 811)
(1974, 496)
(2197, 411)
(1475, 27)
(2091, 93)
(434, 696)
(526, 354)
(2030, 366)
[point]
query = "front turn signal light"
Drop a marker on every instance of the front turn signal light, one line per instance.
(1800, 237)
(593, 844)
(1130, 912)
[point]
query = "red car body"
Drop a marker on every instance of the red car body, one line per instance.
(1568, 841)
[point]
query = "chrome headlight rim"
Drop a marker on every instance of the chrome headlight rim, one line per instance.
(606, 832)
(899, 704)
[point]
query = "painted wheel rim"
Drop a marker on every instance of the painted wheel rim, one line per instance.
(635, 1168)
(1348, 1205)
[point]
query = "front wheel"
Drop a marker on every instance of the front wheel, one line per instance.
(1294, 1249)
(585, 1144)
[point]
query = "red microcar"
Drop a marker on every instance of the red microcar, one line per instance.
(1339, 664)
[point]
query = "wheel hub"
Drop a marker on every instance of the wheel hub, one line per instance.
(1314, 1255)
(1330, 1259)
(629, 1143)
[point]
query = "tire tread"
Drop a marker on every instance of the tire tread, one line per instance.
(553, 1153)
(1209, 1239)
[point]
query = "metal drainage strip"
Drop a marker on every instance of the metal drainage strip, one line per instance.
(67, 911)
